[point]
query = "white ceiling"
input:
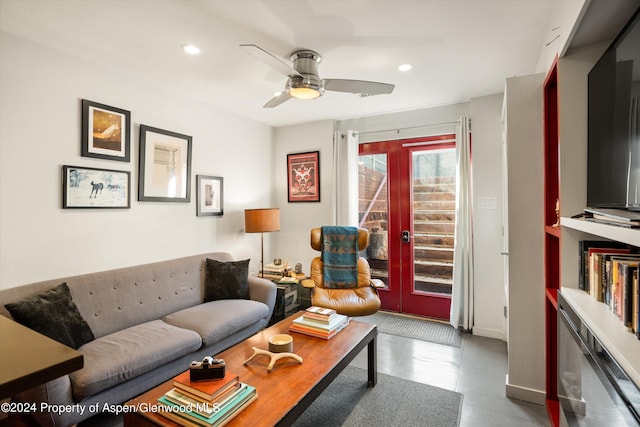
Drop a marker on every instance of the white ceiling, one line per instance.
(459, 49)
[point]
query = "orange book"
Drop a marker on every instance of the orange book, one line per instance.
(208, 390)
(321, 332)
(312, 333)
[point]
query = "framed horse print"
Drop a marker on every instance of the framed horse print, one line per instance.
(95, 188)
(303, 177)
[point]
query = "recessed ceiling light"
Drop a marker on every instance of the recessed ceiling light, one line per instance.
(405, 67)
(191, 49)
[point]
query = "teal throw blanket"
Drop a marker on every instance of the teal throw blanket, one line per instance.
(340, 257)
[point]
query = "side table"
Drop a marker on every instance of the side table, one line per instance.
(290, 298)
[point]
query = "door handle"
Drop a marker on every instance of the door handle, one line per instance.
(406, 236)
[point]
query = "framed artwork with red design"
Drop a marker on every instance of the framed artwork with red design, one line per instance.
(303, 177)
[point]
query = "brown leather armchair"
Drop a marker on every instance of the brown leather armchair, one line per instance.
(361, 300)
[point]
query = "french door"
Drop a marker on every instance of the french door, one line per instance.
(407, 195)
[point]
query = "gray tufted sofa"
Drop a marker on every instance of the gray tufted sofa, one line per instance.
(149, 323)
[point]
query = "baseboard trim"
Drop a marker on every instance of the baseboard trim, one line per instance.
(489, 333)
(523, 393)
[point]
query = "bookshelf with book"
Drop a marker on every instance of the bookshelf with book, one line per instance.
(599, 309)
(565, 155)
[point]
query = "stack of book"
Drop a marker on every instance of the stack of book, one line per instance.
(272, 271)
(609, 273)
(205, 403)
(319, 322)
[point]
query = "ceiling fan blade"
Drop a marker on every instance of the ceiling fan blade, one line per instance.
(362, 87)
(274, 102)
(271, 60)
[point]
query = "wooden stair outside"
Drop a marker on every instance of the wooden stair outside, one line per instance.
(434, 226)
(434, 204)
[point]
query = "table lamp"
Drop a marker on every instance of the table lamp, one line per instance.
(261, 221)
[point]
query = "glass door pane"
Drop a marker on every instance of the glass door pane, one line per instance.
(373, 212)
(434, 204)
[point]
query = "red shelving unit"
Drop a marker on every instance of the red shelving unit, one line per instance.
(551, 237)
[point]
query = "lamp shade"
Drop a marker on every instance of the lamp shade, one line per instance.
(261, 220)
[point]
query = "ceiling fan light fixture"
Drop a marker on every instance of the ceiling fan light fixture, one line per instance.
(304, 92)
(305, 87)
(304, 82)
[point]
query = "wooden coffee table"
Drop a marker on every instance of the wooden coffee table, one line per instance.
(289, 389)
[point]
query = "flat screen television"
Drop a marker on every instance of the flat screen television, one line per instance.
(614, 127)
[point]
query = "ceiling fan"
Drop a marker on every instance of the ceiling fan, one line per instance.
(304, 81)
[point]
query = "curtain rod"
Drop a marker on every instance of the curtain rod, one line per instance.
(397, 130)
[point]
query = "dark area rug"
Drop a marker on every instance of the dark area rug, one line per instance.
(348, 402)
(411, 327)
(392, 402)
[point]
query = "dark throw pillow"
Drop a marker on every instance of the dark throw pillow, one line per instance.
(54, 314)
(226, 280)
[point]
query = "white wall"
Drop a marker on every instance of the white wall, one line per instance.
(563, 23)
(488, 268)
(297, 219)
(40, 119)
(524, 136)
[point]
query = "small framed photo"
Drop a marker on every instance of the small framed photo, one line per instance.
(95, 188)
(165, 166)
(105, 132)
(303, 177)
(209, 198)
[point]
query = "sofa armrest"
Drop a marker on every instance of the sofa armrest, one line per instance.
(57, 393)
(264, 291)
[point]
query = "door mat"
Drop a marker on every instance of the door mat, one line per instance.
(419, 329)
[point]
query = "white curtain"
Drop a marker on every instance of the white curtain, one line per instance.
(345, 191)
(461, 315)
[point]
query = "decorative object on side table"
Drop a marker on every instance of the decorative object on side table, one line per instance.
(274, 271)
(165, 166)
(261, 221)
(209, 196)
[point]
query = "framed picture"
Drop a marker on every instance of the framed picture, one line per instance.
(303, 177)
(165, 166)
(95, 188)
(209, 198)
(105, 132)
